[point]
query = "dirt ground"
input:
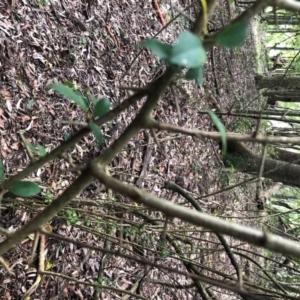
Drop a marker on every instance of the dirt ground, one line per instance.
(93, 44)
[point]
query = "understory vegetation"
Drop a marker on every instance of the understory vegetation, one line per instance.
(149, 149)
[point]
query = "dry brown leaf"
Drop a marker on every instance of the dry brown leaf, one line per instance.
(15, 146)
(24, 118)
(5, 93)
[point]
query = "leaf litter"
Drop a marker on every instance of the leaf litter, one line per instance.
(92, 44)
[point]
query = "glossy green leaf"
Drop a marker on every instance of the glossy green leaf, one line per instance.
(69, 94)
(41, 150)
(234, 35)
(220, 127)
(96, 132)
(25, 189)
(101, 107)
(195, 74)
(188, 51)
(161, 50)
(1, 170)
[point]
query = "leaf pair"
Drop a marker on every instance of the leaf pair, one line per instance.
(100, 107)
(187, 52)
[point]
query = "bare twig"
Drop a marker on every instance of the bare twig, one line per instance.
(201, 134)
(6, 267)
(256, 237)
(176, 188)
(29, 152)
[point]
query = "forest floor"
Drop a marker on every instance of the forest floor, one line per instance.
(95, 47)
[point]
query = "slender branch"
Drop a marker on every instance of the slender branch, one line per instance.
(176, 188)
(201, 134)
(195, 275)
(263, 270)
(259, 178)
(199, 22)
(158, 87)
(269, 241)
(29, 152)
(155, 90)
(99, 286)
(6, 267)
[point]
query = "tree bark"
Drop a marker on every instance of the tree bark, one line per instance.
(287, 156)
(286, 82)
(282, 21)
(244, 160)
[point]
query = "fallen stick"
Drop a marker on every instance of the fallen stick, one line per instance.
(159, 13)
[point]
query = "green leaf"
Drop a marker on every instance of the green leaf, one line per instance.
(1, 170)
(30, 104)
(69, 94)
(195, 74)
(41, 150)
(70, 84)
(93, 99)
(188, 51)
(177, 69)
(98, 135)
(161, 50)
(31, 147)
(38, 150)
(234, 35)
(220, 127)
(25, 189)
(101, 107)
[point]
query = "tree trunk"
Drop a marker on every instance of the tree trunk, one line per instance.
(244, 160)
(283, 30)
(281, 21)
(285, 198)
(268, 82)
(285, 93)
(282, 95)
(286, 156)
